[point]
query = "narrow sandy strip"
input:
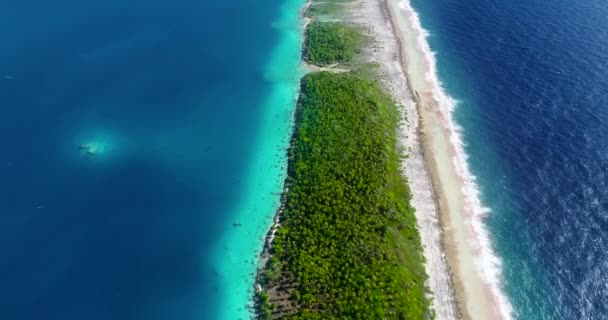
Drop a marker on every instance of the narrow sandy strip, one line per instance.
(374, 16)
(467, 245)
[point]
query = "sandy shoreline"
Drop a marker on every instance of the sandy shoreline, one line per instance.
(476, 271)
(374, 15)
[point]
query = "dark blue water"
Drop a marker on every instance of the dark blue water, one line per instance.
(532, 78)
(168, 93)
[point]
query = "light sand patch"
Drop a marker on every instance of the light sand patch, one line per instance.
(331, 68)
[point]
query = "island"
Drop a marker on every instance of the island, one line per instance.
(345, 244)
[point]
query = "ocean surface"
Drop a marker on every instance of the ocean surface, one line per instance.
(531, 81)
(185, 108)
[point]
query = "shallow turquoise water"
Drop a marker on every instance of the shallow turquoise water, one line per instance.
(188, 106)
(236, 257)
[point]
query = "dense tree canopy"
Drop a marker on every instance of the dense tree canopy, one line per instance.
(348, 247)
(331, 42)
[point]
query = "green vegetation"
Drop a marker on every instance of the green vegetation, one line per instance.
(322, 9)
(326, 8)
(331, 42)
(348, 247)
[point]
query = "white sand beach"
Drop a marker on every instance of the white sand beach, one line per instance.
(463, 271)
(474, 267)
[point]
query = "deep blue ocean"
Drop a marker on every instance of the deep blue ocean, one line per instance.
(168, 97)
(532, 80)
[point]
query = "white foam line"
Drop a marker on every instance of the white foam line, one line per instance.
(487, 263)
